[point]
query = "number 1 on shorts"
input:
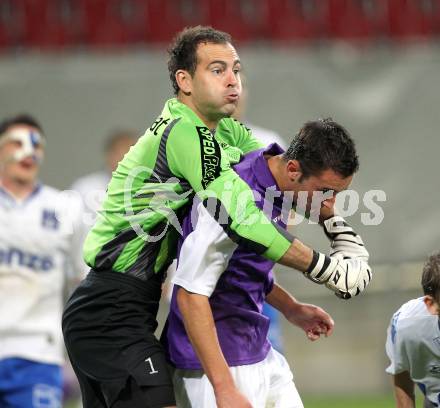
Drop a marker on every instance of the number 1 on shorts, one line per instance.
(153, 371)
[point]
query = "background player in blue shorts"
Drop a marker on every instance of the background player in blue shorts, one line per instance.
(40, 232)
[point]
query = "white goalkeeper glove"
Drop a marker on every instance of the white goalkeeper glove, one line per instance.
(346, 271)
(344, 239)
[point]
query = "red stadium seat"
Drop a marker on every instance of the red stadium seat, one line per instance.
(12, 23)
(101, 23)
(357, 20)
(297, 20)
(53, 23)
(245, 20)
(166, 18)
(115, 22)
(413, 18)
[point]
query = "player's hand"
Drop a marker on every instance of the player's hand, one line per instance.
(231, 398)
(349, 278)
(346, 277)
(346, 271)
(312, 319)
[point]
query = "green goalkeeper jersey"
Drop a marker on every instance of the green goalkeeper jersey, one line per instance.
(137, 229)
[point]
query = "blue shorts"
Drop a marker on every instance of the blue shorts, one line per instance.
(275, 334)
(25, 383)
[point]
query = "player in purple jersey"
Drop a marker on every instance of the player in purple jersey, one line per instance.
(215, 326)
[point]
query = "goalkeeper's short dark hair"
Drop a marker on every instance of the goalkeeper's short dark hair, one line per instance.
(20, 119)
(431, 277)
(183, 50)
(321, 145)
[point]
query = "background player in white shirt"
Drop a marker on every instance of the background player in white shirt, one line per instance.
(92, 187)
(413, 342)
(40, 234)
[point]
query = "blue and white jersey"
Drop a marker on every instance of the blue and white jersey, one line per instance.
(92, 190)
(40, 240)
(413, 345)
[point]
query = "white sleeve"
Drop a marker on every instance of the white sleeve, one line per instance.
(204, 255)
(77, 268)
(395, 348)
(80, 268)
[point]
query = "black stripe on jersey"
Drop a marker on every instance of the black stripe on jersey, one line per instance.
(110, 252)
(210, 154)
(143, 267)
(147, 260)
(161, 167)
(220, 214)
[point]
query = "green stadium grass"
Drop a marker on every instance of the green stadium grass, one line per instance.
(359, 401)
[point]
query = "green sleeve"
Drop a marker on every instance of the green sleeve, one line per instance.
(195, 155)
(236, 134)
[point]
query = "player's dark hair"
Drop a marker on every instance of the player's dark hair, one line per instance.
(183, 50)
(117, 135)
(21, 119)
(321, 145)
(431, 277)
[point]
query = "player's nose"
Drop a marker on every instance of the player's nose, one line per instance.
(231, 78)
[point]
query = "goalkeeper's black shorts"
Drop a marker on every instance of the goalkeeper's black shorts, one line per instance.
(108, 326)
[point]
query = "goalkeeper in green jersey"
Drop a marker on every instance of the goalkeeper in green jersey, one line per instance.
(109, 321)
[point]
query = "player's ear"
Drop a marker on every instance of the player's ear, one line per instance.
(431, 304)
(294, 170)
(184, 80)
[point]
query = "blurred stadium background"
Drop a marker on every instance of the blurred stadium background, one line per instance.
(84, 67)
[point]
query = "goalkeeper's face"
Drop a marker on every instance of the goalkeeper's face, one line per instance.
(215, 88)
